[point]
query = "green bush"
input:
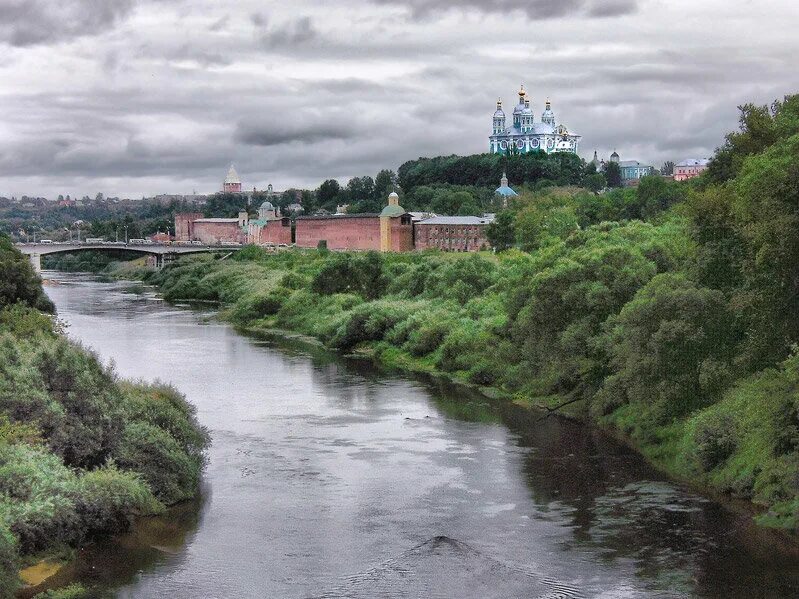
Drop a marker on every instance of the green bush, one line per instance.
(716, 439)
(368, 322)
(157, 456)
(9, 563)
(73, 591)
(107, 500)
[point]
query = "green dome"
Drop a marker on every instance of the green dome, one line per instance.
(393, 211)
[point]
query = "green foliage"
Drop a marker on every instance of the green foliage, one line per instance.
(760, 128)
(501, 232)
(715, 438)
(670, 349)
(9, 563)
(18, 281)
(485, 170)
(73, 591)
(347, 273)
(162, 441)
(613, 174)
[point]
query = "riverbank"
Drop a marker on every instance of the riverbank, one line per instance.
(471, 320)
(83, 453)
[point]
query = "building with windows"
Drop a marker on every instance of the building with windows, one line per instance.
(632, 171)
(452, 233)
(190, 226)
(690, 168)
(524, 134)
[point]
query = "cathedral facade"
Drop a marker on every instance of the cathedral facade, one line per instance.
(524, 134)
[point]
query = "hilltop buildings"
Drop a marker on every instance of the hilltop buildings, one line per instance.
(690, 168)
(392, 230)
(526, 135)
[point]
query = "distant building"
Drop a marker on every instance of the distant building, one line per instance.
(452, 233)
(690, 168)
(504, 191)
(525, 135)
(389, 231)
(632, 171)
(188, 227)
(232, 182)
(269, 228)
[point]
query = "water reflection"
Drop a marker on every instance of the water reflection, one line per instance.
(330, 478)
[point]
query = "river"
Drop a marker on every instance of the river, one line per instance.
(328, 477)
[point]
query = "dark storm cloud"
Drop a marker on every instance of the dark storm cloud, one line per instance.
(277, 133)
(295, 32)
(30, 22)
(533, 9)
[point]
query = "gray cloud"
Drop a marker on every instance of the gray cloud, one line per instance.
(316, 90)
(276, 133)
(30, 22)
(295, 32)
(533, 9)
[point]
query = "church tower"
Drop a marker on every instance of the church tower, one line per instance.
(517, 111)
(499, 118)
(232, 182)
(548, 116)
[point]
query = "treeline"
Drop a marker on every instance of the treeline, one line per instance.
(485, 170)
(666, 312)
(82, 453)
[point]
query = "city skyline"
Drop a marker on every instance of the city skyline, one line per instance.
(144, 97)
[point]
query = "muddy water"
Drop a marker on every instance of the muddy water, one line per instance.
(329, 478)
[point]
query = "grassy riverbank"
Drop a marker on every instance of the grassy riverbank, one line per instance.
(545, 328)
(82, 452)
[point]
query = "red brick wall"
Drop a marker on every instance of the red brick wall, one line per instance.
(340, 232)
(277, 231)
(217, 232)
(402, 234)
(183, 225)
(457, 238)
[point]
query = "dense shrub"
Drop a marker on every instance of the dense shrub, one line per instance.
(670, 348)
(171, 473)
(348, 273)
(18, 281)
(9, 563)
(369, 322)
(715, 439)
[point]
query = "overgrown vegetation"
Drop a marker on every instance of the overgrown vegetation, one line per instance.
(666, 312)
(82, 453)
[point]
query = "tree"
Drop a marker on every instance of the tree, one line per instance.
(613, 174)
(595, 182)
(327, 194)
(760, 127)
(667, 169)
(500, 232)
(670, 348)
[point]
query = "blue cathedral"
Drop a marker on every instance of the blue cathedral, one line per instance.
(525, 135)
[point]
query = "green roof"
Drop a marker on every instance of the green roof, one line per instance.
(393, 211)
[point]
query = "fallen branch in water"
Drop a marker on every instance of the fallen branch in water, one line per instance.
(552, 410)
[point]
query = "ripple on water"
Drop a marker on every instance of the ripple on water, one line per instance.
(443, 567)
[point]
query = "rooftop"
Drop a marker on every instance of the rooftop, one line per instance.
(693, 162)
(456, 220)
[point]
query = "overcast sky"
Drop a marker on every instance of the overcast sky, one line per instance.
(138, 97)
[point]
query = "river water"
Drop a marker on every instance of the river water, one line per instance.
(330, 478)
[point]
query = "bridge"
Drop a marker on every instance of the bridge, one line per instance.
(164, 252)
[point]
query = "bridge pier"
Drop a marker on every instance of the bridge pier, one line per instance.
(36, 261)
